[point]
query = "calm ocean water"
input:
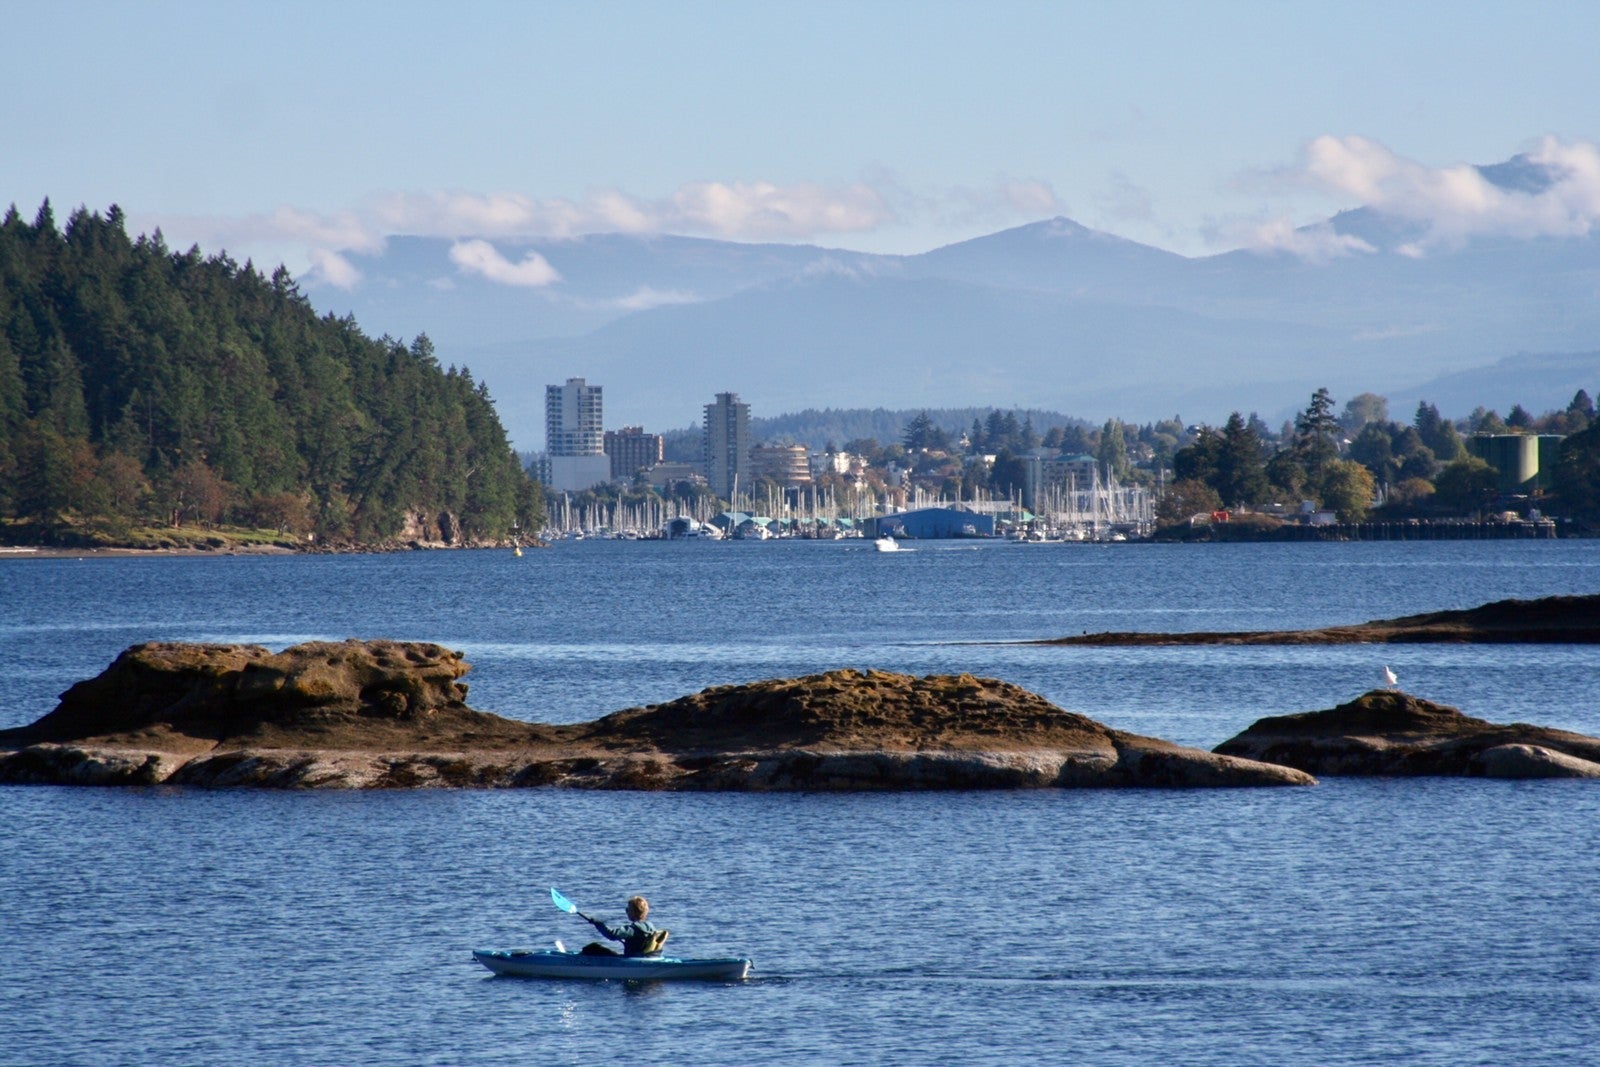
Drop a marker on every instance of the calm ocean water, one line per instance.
(1436, 922)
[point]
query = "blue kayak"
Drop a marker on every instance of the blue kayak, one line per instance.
(527, 963)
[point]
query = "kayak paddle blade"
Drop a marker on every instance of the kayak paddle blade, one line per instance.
(562, 902)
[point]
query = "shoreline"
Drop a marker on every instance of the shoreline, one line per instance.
(42, 552)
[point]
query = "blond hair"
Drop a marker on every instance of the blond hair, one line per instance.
(638, 908)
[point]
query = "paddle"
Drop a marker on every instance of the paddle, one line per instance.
(566, 905)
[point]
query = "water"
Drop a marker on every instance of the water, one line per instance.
(1437, 922)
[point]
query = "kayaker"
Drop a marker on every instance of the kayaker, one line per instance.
(639, 937)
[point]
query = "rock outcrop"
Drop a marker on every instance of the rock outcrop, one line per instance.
(1386, 733)
(385, 714)
(1549, 620)
(337, 695)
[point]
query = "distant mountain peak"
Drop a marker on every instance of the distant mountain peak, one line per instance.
(1519, 174)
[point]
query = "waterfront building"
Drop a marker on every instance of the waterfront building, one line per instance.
(926, 524)
(666, 475)
(631, 450)
(726, 448)
(575, 436)
(788, 465)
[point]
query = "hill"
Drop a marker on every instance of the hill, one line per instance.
(139, 386)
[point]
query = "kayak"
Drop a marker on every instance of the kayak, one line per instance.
(527, 963)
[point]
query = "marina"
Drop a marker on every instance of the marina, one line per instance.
(1102, 510)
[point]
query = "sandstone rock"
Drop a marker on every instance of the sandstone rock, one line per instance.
(348, 694)
(1385, 733)
(1531, 761)
(385, 714)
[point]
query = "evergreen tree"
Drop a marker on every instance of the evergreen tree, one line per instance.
(1577, 475)
(1317, 434)
(1373, 448)
(1241, 477)
(1199, 460)
(919, 432)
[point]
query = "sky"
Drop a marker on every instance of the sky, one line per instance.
(301, 132)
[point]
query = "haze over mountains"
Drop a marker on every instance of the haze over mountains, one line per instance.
(1050, 315)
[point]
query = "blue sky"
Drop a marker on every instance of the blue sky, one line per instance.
(297, 132)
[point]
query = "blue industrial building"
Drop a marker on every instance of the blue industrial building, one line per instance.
(928, 524)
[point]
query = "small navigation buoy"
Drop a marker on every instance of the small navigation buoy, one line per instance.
(1389, 677)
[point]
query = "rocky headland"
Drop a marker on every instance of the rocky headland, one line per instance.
(1548, 620)
(1387, 733)
(385, 714)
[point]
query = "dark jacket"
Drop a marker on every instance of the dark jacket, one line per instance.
(634, 935)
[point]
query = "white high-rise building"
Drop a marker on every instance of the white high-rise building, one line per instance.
(726, 451)
(574, 436)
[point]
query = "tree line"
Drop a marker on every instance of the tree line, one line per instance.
(1343, 463)
(141, 386)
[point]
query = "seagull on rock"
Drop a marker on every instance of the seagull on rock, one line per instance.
(1389, 677)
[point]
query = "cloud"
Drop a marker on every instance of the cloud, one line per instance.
(1316, 244)
(737, 210)
(728, 210)
(482, 258)
(333, 269)
(1457, 202)
(645, 298)
(344, 231)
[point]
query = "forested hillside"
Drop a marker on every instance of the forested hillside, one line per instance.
(140, 387)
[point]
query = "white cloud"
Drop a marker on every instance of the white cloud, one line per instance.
(482, 258)
(740, 210)
(1317, 244)
(333, 269)
(645, 298)
(1458, 202)
(730, 210)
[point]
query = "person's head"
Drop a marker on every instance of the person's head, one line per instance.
(638, 908)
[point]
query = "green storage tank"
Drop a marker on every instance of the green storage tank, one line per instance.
(1514, 455)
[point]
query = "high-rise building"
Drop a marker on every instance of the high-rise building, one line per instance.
(632, 450)
(726, 450)
(572, 419)
(574, 436)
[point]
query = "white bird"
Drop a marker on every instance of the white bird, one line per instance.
(1389, 677)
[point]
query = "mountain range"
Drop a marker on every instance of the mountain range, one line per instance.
(1050, 315)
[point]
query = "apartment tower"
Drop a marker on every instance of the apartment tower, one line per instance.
(726, 449)
(574, 436)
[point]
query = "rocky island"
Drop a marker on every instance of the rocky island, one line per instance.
(386, 714)
(1547, 620)
(1386, 733)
